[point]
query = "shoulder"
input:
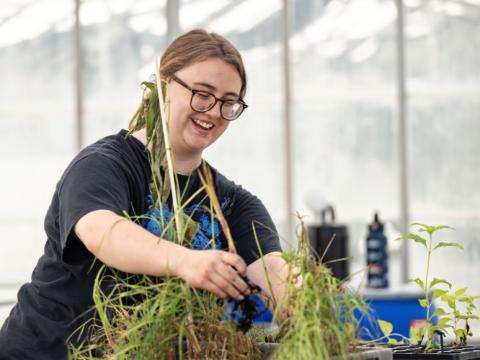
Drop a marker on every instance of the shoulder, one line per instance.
(235, 195)
(119, 153)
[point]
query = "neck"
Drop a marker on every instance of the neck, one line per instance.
(184, 164)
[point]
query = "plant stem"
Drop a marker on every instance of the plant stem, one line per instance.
(427, 287)
(168, 148)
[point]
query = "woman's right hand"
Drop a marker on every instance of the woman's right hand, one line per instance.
(217, 271)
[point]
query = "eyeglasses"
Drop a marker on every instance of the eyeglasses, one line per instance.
(202, 101)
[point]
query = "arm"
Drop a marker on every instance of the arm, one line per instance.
(277, 270)
(126, 246)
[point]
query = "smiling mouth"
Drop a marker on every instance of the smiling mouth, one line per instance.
(204, 125)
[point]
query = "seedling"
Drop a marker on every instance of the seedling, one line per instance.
(427, 334)
(453, 299)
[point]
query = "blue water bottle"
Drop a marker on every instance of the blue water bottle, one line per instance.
(377, 256)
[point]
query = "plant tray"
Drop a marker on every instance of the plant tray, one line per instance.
(364, 353)
(407, 352)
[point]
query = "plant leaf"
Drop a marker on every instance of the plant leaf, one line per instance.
(423, 302)
(442, 322)
(393, 341)
(385, 326)
(461, 291)
(448, 244)
(440, 227)
(419, 282)
(436, 281)
(419, 224)
(416, 238)
(451, 302)
(437, 293)
(439, 312)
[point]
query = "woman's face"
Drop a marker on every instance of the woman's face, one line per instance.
(191, 132)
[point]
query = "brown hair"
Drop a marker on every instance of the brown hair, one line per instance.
(194, 46)
(199, 45)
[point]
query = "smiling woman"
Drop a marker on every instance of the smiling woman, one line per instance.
(206, 82)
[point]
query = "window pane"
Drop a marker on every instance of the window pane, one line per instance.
(344, 114)
(120, 42)
(443, 38)
(36, 103)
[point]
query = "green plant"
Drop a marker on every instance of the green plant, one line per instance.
(318, 319)
(148, 318)
(453, 299)
(429, 331)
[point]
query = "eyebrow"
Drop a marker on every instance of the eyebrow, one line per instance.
(213, 88)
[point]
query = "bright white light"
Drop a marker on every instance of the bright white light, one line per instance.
(363, 51)
(118, 6)
(332, 48)
(196, 12)
(94, 12)
(140, 23)
(245, 16)
(417, 25)
(412, 3)
(33, 20)
(343, 21)
(147, 6)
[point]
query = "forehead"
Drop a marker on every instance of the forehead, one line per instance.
(216, 72)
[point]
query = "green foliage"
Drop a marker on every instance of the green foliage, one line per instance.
(437, 281)
(142, 317)
(426, 285)
(416, 238)
(318, 319)
(446, 320)
(453, 299)
(448, 244)
(386, 327)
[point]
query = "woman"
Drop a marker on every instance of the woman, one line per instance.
(206, 85)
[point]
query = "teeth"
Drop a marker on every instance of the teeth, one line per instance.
(203, 124)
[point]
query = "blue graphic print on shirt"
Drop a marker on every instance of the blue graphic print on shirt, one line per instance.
(208, 233)
(208, 228)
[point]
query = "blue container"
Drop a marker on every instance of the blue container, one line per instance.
(397, 306)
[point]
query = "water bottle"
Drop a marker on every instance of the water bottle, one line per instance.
(377, 256)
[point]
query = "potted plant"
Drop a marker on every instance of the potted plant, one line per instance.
(427, 341)
(147, 318)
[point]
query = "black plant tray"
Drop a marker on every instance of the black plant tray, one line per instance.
(407, 352)
(362, 353)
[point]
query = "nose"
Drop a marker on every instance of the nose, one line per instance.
(216, 110)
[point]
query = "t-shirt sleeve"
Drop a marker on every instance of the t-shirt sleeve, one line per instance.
(94, 182)
(249, 213)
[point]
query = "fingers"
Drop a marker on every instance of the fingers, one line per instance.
(235, 261)
(231, 282)
(234, 278)
(213, 288)
(225, 286)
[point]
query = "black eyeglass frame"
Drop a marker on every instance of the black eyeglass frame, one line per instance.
(222, 102)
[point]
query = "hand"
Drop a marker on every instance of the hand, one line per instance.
(217, 271)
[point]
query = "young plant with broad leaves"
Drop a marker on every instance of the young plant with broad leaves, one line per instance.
(456, 300)
(430, 287)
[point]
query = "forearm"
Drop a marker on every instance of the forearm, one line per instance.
(270, 274)
(126, 246)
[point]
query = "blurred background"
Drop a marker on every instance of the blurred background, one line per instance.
(367, 105)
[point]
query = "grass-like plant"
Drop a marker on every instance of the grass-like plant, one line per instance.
(142, 317)
(318, 309)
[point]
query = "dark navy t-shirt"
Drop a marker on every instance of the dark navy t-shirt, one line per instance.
(114, 174)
